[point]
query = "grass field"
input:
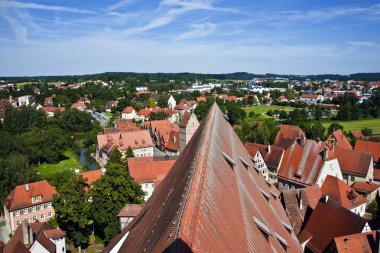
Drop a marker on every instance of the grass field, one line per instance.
(373, 124)
(72, 162)
(26, 83)
(264, 108)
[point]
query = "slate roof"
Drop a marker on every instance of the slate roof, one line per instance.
(21, 197)
(329, 220)
(342, 193)
(353, 162)
(287, 135)
(193, 210)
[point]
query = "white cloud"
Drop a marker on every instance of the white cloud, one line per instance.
(120, 4)
(35, 6)
(199, 30)
(361, 43)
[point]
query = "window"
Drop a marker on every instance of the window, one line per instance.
(36, 199)
(282, 241)
(25, 210)
(288, 227)
(38, 207)
(244, 162)
(26, 220)
(266, 196)
(17, 213)
(17, 223)
(230, 161)
(34, 218)
(41, 207)
(42, 216)
(263, 228)
(352, 178)
(49, 214)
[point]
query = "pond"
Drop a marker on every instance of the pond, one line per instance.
(87, 159)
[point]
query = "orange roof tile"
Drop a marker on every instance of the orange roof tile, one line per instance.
(287, 135)
(92, 176)
(353, 162)
(128, 109)
(130, 210)
(21, 196)
(358, 243)
(147, 169)
(199, 99)
(364, 187)
(135, 140)
(341, 140)
(369, 146)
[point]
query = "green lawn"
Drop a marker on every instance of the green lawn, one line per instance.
(373, 124)
(264, 108)
(26, 83)
(72, 162)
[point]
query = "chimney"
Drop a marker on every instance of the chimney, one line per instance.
(25, 232)
(302, 140)
(26, 187)
(268, 149)
(377, 242)
(31, 238)
(300, 201)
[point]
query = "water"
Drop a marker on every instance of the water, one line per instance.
(83, 159)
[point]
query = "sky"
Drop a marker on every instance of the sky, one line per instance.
(69, 37)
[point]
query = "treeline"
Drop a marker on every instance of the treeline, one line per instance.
(29, 138)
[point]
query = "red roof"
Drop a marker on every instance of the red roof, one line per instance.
(147, 169)
(364, 187)
(21, 196)
(128, 109)
(199, 99)
(54, 234)
(247, 96)
(356, 243)
(353, 162)
(310, 96)
(287, 135)
(341, 140)
(130, 210)
(271, 154)
(342, 193)
(329, 220)
(358, 134)
(369, 146)
(53, 109)
(92, 176)
(188, 211)
(302, 164)
(79, 105)
(135, 140)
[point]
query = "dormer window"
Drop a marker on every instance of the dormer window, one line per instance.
(36, 199)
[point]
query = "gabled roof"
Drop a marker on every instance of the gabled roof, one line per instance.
(210, 202)
(130, 210)
(302, 164)
(353, 162)
(271, 154)
(310, 96)
(21, 196)
(53, 109)
(364, 187)
(185, 119)
(128, 109)
(135, 140)
(79, 105)
(329, 220)
(341, 140)
(199, 99)
(369, 146)
(358, 243)
(287, 135)
(342, 193)
(92, 176)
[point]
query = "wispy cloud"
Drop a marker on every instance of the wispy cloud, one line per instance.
(361, 43)
(120, 4)
(36, 6)
(198, 31)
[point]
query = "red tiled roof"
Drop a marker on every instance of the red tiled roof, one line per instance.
(188, 212)
(287, 135)
(146, 112)
(369, 146)
(54, 234)
(302, 164)
(53, 109)
(358, 134)
(146, 169)
(376, 174)
(342, 193)
(271, 154)
(356, 243)
(329, 220)
(310, 96)
(313, 194)
(247, 96)
(353, 162)
(92, 176)
(130, 210)
(364, 187)
(341, 140)
(79, 105)
(135, 140)
(185, 119)
(173, 142)
(199, 99)
(128, 109)
(20, 197)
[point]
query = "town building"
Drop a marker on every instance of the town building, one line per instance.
(187, 127)
(169, 98)
(150, 171)
(164, 134)
(25, 100)
(311, 98)
(339, 140)
(37, 237)
(188, 212)
(139, 141)
(50, 110)
(81, 106)
(368, 190)
(29, 203)
(128, 113)
(287, 135)
(128, 213)
(258, 161)
(371, 147)
(359, 243)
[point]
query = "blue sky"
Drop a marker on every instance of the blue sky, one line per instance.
(44, 37)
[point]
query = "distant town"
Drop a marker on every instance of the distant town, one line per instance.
(186, 162)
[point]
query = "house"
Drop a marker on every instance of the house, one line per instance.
(328, 221)
(124, 125)
(339, 140)
(299, 204)
(258, 161)
(368, 190)
(111, 104)
(355, 165)
(169, 98)
(359, 243)
(358, 135)
(29, 203)
(92, 176)
(311, 98)
(272, 155)
(25, 100)
(199, 99)
(165, 135)
(188, 212)
(128, 213)
(139, 141)
(287, 135)
(150, 171)
(81, 106)
(50, 110)
(306, 162)
(49, 100)
(128, 113)
(251, 97)
(144, 114)
(37, 237)
(187, 127)
(344, 195)
(371, 147)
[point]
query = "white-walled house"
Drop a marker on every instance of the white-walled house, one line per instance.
(311, 98)
(128, 113)
(187, 127)
(171, 102)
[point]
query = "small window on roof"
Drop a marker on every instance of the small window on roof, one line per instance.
(263, 228)
(288, 227)
(282, 241)
(244, 162)
(273, 194)
(266, 196)
(230, 161)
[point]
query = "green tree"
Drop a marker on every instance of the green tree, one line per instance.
(367, 131)
(318, 113)
(261, 134)
(270, 113)
(333, 127)
(129, 152)
(110, 194)
(60, 179)
(73, 211)
(283, 115)
(373, 208)
(151, 102)
(317, 131)
(162, 102)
